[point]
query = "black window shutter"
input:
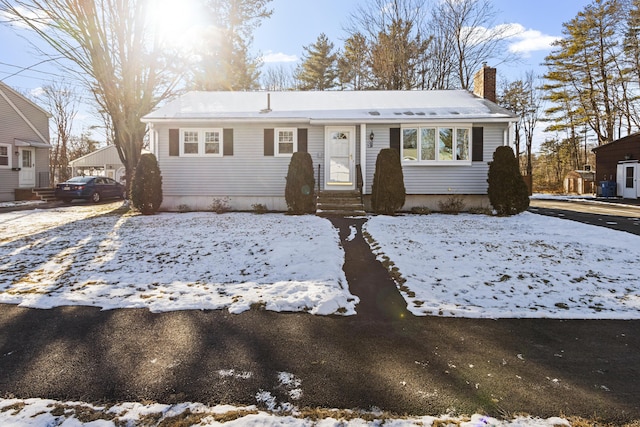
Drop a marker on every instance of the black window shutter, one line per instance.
(477, 134)
(227, 137)
(174, 142)
(394, 139)
(268, 142)
(302, 140)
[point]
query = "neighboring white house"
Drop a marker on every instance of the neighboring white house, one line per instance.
(24, 144)
(102, 162)
(237, 145)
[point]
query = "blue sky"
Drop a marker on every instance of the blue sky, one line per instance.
(288, 30)
(298, 23)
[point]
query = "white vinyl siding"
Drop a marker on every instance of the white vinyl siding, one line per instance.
(247, 173)
(12, 127)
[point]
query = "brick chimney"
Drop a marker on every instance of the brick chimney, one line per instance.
(484, 83)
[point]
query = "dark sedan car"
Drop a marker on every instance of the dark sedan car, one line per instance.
(94, 188)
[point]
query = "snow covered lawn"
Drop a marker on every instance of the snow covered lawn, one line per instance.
(526, 266)
(95, 256)
(466, 265)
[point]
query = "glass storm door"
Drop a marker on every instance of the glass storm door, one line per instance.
(27, 175)
(340, 148)
(630, 182)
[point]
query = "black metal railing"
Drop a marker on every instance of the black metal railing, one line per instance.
(359, 181)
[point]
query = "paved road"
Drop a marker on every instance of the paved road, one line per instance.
(382, 358)
(615, 215)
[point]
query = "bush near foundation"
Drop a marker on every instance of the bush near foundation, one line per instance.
(508, 193)
(388, 192)
(298, 192)
(146, 188)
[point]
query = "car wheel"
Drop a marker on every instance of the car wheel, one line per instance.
(95, 197)
(67, 201)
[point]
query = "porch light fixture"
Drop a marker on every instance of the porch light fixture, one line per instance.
(371, 136)
(17, 153)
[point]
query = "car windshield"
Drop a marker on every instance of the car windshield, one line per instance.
(80, 179)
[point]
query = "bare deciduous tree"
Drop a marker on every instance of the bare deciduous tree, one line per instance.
(111, 46)
(394, 40)
(278, 77)
(467, 36)
(442, 44)
(62, 103)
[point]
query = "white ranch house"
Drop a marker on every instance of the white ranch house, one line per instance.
(237, 146)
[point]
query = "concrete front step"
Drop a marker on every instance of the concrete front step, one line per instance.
(45, 194)
(341, 213)
(339, 203)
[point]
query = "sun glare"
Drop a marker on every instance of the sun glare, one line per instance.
(179, 23)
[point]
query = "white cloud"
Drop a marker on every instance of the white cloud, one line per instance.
(36, 92)
(521, 40)
(278, 57)
(526, 41)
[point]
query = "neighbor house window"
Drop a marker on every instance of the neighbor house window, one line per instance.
(286, 141)
(201, 142)
(433, 144)
(5, 153)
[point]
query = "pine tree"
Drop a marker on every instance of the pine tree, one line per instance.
(585, 78)
(388, 192)
(508, 193)
(353, 70)
(300, 184)
(396, 57)
(146, 188)
(318, 69)
(226, 63)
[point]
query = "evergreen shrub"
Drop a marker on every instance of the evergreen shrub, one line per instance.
(299, 191)
(508, 193)
(146, 188)
(388, 192)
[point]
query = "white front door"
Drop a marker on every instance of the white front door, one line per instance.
(27, 164)
(340, 147)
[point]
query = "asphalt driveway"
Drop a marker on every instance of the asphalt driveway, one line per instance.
(617, 214)
(382, 358)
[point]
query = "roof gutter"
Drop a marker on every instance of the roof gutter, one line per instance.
(226, 120)
(349, 121)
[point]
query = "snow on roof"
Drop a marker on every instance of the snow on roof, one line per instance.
(367, 106)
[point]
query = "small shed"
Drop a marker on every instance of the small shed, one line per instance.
(102, 162)
(618, 162)
(580, 182)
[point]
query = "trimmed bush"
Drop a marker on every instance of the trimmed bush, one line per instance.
(146, 188)
(508, 193)
(298, 192)
(388, 192)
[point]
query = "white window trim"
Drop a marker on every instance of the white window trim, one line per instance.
(437, 127)
(201, 141)
(276, 141)
(9, 155)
